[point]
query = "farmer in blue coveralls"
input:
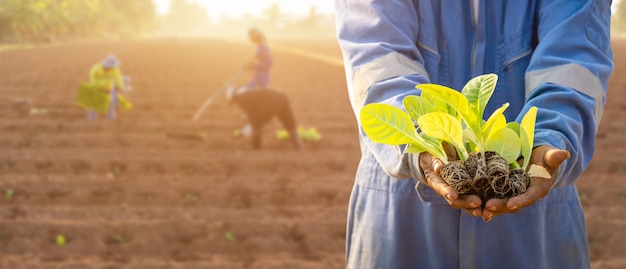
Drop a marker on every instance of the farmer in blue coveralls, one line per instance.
(555, 55)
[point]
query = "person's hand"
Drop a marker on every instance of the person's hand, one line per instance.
(545, 156)
(431, 167)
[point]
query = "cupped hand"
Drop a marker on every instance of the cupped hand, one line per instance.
(546, 156)
(431, 167)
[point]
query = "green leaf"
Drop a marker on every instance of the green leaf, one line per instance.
(390, 125)
(387, 124)
(417, 106)
(470, 140)
(495, 122)
(438, 104)
(413, 149)
(448, 95)
(478, 91)
(445, 127)
(506, 143)
(527, 133)
(514, 126)
(459, 102)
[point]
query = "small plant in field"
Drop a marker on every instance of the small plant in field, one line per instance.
(60, 240)
(191, 197)
(122, 240)
(487, 150)
(117, 169)
(310, 135)
(9, 193)
(230, 237)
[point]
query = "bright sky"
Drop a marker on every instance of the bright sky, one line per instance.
(235, 8)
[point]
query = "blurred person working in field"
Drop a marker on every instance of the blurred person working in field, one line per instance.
(262, 63)
(103, 92)
(259, 103)
(260, 107)
(555, 55)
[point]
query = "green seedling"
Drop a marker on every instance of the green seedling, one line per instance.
(445, 115)
(191, 197)
(60, 240)
(310, 134)
(230, 237)
(122, 240)
(117, 169)
(9, 193)
(150, 197)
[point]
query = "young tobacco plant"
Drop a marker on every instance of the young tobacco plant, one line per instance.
(446, 115)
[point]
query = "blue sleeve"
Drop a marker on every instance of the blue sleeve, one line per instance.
(382, 65)
(568, 78)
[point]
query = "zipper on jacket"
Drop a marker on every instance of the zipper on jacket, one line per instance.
(521, 55)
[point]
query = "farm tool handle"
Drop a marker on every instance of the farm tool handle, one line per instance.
(215, 94)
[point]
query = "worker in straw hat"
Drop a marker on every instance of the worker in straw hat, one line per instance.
(105, 77)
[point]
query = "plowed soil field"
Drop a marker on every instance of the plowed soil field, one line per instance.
(153, 189)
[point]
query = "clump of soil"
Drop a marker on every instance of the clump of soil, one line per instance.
(487, 176)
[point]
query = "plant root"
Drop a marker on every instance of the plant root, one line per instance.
(455, 174)
(487, 176)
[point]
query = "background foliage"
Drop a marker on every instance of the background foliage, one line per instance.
(39, 21)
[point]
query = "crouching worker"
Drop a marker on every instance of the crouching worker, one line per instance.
(102, 94)
(260, 107)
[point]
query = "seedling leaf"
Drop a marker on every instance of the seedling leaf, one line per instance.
(527, 133)
(478, 91)
(495, 122)
(388, 125)
(445, 127)
(456, 100)
(506, 143)
(417, 106)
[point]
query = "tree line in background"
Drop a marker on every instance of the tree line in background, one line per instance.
(44, 21)
(36, 21)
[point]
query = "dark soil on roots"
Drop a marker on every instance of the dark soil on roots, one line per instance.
(487, 176)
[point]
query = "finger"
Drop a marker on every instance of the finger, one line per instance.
(494, 207)
(437, 165)
(476, 212)
(554, 157)
(466, 202)
(442, 188)
(539, 187)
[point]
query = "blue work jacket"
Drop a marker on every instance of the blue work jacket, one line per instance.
(555, 55)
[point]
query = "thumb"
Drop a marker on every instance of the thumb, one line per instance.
(554, 157)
